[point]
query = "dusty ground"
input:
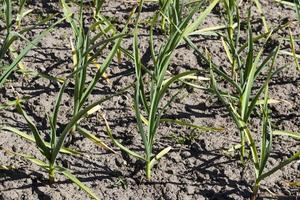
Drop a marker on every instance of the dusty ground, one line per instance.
(196, 167)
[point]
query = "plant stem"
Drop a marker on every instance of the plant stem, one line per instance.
(255, 190)
(52, 174)
(148, 169)
(72, 131)
(242, 146)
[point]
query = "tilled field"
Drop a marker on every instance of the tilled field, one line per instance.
(196, 126)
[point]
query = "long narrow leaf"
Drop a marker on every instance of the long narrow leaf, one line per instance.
(24, 51)
(267, 135)
(122, 147)
(77, 117)
(39, 141)
(287, 133)
(53, 119)
(280, 165)
(75, 180)
(93, 138)
(32, 139)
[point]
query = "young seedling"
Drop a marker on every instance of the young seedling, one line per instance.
(85, 50)
(247, 72)
(50, 150)
(12, 36)
(159, 84)
(241, 103)
(259, 160)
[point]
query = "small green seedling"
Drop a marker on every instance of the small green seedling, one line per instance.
(150, 106)
(12, 36)
(241, 103)
(242, 97)
(51, 150)
(85, 50)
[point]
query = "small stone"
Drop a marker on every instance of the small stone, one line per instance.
(28, 181)
(185, 154)
(119, 162)
(174, 156)
(190, 189)
(42, 69)
(190, 161)
(170, 192)
(201, 176)
(296, 165)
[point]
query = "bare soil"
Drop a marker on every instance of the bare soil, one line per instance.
(196, 168)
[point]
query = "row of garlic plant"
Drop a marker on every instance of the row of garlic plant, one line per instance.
(244, 98)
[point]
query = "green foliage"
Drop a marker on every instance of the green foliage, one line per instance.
(12, 36)
(51, 150)
(151, 104)
(86, 50)
(248, 75)
(242, 100)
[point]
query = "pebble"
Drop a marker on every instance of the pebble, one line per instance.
(190, 189)
(119, 162)
(185, 154)
(296, 165)
(201, 176)
(174, 156)
(170, 192)
(28, 181)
